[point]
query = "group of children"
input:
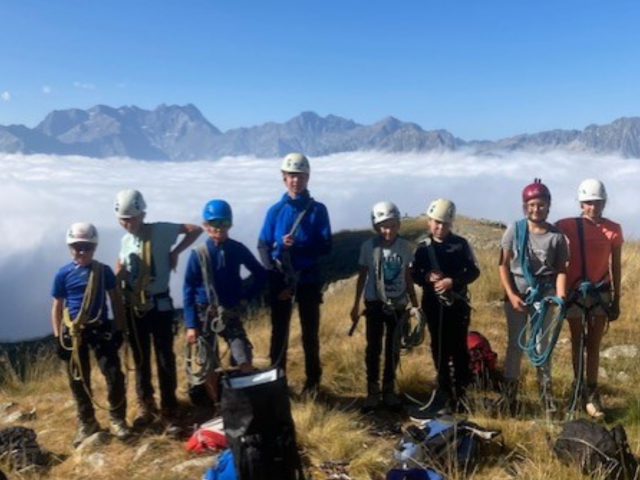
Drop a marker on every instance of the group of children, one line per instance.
(574, 265)
(296, 232)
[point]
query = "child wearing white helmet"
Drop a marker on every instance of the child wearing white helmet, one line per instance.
(147, 257)
(80, 322)
(296, 232)
(215, 297)
(444, 265)
(593, 279)
(384, 276)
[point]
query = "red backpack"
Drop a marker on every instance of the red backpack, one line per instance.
(482, 359)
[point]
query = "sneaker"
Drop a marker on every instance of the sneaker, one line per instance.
(391, 401)
(120, 430)
(85, 430)
(147, 411)
(592, 405)
(370, 403)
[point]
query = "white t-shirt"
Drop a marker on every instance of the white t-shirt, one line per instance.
(394, 261)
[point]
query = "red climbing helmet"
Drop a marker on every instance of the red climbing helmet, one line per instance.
(537, 189)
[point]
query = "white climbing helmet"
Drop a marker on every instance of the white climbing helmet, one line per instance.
(382, 211)
(295, 163)
(442, 210)
(129, 203)
(591, 189)
(82, 232)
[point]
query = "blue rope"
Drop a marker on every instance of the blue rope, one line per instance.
(540, 303)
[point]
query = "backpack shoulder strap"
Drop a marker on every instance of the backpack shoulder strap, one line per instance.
(583, 257)
(300, 216)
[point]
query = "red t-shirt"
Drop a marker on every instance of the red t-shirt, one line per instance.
(599, 240)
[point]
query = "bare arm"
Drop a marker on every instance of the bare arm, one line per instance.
(507, 282)
(362, 277)
(616, 273)
(56, 316)
(191, 233)
(118, 309)
(411, 289)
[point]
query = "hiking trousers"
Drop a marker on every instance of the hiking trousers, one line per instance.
(449, 327)
(516, 323)
(158, 328)
(104, 349)
(381, 325)
(309, 298)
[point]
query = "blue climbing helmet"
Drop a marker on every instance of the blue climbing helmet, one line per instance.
(217, 210)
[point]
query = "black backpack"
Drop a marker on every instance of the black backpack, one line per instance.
(259, 427)
(596, 450)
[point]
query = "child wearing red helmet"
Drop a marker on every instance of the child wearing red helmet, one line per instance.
(532, 268)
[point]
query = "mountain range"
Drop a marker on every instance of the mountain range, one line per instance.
(182, 133)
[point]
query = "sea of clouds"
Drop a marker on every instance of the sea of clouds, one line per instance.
(40, 196)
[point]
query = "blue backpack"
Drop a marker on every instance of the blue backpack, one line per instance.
(223, 470)
(439, 446)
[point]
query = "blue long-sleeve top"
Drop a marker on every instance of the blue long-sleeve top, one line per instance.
(312, 238)
(225, 262)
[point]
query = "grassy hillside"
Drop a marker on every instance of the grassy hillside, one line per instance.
(331, 428)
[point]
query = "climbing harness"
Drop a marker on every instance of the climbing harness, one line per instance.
(75, 327)
(587, 296)
(141, 301)
(540, 304)
(202, 357)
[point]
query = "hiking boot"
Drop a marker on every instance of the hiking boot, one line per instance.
(370, 403)
(391, 400)
(592, 403)
(507, 403)
(120, 430)
(147, 411)
(439, 404)
(85, 430)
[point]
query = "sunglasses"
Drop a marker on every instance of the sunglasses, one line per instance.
(83, 246)
(219, 223)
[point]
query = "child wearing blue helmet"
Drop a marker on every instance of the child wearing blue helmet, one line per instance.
(215, 293)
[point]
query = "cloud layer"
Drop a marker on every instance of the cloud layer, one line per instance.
(42, 195)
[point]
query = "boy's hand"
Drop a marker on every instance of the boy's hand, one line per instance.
(434, 275)
(614, 311)
(288, 240)
(443, 285)
(173, 260)
(517, 303)
(192, 335)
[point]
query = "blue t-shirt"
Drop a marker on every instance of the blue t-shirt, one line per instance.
(71, 282)
(225, 262)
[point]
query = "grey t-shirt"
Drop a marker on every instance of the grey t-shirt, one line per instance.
(163, 236)
(394, 261)
(548, 253)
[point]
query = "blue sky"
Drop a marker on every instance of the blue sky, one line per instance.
(482, 70)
